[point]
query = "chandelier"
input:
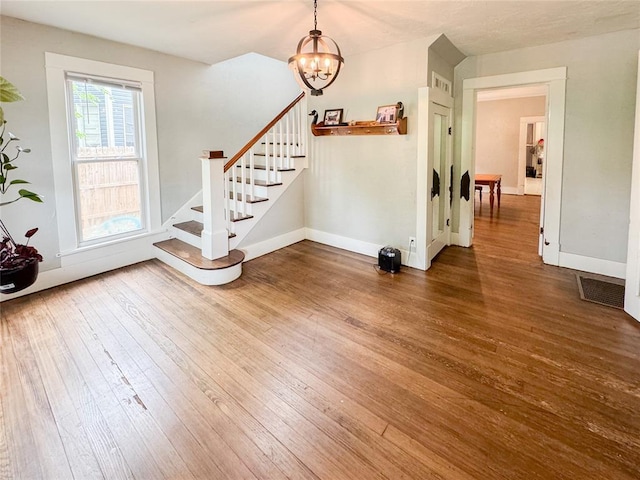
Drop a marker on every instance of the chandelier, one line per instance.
(317, 61)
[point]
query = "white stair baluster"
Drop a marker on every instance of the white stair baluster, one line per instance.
(288, 137)
(227, 214)
(252, 176)
(243, 179)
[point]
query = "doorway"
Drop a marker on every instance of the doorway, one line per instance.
(555, 81)
(509, 142)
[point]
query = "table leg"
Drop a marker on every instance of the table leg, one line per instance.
(491, 188)
(499, 182)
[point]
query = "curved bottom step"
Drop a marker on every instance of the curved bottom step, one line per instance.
(189, 260)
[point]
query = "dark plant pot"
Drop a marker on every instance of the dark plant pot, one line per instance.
(16, 279)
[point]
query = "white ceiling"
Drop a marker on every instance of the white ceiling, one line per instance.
(211, 31)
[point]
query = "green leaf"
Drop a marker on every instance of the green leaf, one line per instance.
(1, 116)
(9, 92)
(8, 166)
(2, 179)
(30, 195)
(15, 182)
(5, 158)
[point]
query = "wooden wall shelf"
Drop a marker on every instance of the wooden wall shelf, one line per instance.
(362, 128)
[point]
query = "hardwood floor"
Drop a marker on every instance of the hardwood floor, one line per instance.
(314, 366)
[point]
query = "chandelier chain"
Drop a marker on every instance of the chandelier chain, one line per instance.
(315, 14)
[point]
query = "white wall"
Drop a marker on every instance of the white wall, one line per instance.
(284, 216)
(364, 188)
(198, 107)
(498, 136)
(599, 125)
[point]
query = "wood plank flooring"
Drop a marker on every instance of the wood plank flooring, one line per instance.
(314, 366)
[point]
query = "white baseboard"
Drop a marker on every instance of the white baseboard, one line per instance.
(455, 239)
(358, 246)
(272, 244)
(345, 243)
(593, 265)
(97, 261)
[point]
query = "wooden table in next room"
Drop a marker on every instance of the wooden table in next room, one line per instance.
(492, 180)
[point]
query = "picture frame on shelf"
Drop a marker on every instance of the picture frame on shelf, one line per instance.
(333, 116)
(387, 114)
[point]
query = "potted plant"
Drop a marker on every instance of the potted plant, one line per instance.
(18, 262)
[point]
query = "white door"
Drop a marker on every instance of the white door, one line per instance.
(632, 286)
(439, 178)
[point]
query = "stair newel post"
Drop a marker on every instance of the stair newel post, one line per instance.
(215, 236)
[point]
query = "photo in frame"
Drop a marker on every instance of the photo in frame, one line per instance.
(333, 116)
(387, 114)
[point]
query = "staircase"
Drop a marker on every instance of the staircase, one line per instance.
(205, 234)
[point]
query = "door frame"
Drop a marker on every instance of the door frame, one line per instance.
(426, 95)
(555, 79)
(632, 281)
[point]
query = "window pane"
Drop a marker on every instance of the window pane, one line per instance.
(109, 194)
(105, 120)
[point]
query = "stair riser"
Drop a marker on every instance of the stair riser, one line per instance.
(204, 277)
(258, 191)
(260, 162)
(275, 177)
(186, 236)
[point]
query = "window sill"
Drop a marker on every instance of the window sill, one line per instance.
(119, 241)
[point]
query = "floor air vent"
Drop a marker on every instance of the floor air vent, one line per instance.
(604, 292)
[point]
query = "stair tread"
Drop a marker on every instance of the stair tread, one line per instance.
(257, 183)
(238, 217)
(256, 199)
(275, 155)
(262, 167)
(193, 255)
(194, 227)
(234, 216)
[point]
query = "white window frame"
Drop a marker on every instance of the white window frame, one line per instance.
(62, 142)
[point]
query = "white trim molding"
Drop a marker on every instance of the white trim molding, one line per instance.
(94, 261)
(358, 246)
(555, 79)
(256, 250)
(592, 265)
(56, 67)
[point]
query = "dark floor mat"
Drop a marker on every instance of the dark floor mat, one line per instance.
(601, 291)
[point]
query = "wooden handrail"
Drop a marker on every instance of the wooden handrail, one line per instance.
(255, 139)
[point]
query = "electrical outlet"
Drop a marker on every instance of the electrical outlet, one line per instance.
(412, 244)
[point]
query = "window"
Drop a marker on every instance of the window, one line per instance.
(107, 156)
(106, 171)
